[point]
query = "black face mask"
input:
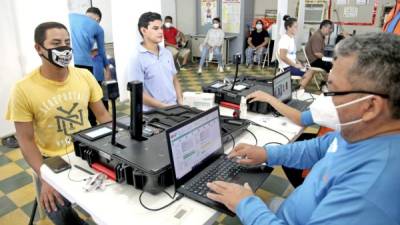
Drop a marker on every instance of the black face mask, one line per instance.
(59, 56)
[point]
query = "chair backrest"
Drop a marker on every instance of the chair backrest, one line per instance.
(305, 55)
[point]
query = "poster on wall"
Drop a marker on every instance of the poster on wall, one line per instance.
(350, 12)
(231, 16)
(208, 11)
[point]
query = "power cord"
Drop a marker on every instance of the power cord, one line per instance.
(273, 142)
(163, 207)
(255, 138)
(67, 142)
(259, 125)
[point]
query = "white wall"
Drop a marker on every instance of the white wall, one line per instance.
(186, 16)
(105, 8)
(80, 6)
(18, 19)
(168, 8)
(125, 16)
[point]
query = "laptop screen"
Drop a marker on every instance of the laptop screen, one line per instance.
(282, 86)
(194, 142)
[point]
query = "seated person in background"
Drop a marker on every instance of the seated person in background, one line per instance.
(287, 53)
(154, 66)
(257, 41)
(316, 45)
(355, 169)
(171, 37)
(213, 44)
(48, 106)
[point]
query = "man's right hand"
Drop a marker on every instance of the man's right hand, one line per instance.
(259, 96)
(249, 154)
(49, 197)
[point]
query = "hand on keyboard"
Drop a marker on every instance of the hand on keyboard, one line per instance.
(228, 194)
(248, 154)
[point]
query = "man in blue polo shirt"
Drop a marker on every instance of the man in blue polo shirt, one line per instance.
(85, 32)
(355, 170)
(154, 66)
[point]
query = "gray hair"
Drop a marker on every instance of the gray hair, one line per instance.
(378, 64)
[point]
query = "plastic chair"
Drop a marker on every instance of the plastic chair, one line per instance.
(319, 72)
(266, 56)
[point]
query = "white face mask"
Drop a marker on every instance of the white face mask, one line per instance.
(216, 25)
(324, 112)
(259, 26)
(168, 25)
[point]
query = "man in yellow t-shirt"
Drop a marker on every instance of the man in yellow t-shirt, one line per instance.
(49, 105)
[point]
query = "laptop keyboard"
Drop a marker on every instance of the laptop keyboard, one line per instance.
(224, 171)
(300, 105)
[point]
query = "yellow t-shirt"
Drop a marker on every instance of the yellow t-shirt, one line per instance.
(57, 109)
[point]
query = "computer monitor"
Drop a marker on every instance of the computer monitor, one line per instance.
(282, 86)
(195, 142)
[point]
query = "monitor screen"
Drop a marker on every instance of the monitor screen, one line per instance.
(282, 86)
(194, 142)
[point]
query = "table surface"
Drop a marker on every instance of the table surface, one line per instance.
(118, 204)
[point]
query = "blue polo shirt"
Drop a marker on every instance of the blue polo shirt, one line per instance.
(350, 183)
(85, 32)
(156, 72)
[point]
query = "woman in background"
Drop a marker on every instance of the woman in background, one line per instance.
(212, 44)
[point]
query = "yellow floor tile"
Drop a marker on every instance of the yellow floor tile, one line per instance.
(14, 155)
(9, 170)
(23, 195)
(45, 221)
(16, 217)
(265, 195)
(278, 171)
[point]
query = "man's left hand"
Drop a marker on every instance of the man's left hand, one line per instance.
(229, 194)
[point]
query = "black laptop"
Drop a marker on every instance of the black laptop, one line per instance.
(197, 157)
(282, 90)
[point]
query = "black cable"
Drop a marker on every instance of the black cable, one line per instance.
(273, 142)
(67, 141)
(163, 207)
(312, 97)
(255, 138)
(259, 125)
(306, 100)
(233, 140)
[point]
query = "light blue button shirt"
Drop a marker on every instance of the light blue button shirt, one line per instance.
(84, 33)
(156, 72)
(350, 183)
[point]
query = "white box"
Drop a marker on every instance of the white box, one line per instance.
(200, 100)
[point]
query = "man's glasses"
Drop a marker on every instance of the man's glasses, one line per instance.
(338, 93)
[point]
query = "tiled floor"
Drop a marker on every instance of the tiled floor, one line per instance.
(17, 192)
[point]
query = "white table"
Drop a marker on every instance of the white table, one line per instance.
(118, 204)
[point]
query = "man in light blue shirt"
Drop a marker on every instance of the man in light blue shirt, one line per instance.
(154, 66)
(85, 32)
(355, 170)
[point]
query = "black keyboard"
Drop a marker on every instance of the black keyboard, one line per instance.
(224, 171)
